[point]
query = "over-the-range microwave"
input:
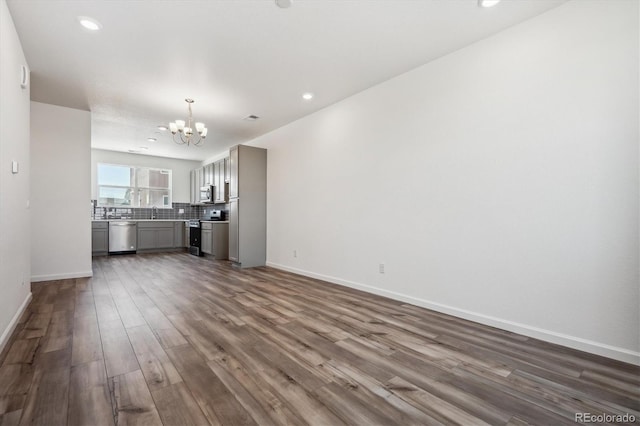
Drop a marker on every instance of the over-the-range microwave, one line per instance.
(207, 194)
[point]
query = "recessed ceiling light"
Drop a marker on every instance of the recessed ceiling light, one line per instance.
(134, 151)
(284, 3)
(151, 139)
(307, 96)
(163, 128)
(144, 147)
(89, 23)
(488, 3)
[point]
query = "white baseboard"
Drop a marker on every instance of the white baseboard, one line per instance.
(6, 334)
(620, 354)
(53, 277)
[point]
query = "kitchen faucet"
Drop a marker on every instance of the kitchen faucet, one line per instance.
(154, 212)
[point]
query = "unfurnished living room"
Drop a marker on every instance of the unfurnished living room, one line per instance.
(319, 212)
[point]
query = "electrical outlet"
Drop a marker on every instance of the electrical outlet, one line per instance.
(295, 253)
(381, 268)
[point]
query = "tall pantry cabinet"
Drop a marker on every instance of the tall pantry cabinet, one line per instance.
(248, 206)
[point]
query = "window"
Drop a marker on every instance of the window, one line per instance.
(129, 186)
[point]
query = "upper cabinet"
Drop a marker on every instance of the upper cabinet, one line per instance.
(195, 186)
(209, 176)
(233, 172)
(215, 174)
(221, 181)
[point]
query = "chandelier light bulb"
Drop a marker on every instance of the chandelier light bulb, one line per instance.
(180, 124)
(173, 127)
(204, 133)
(199, 127)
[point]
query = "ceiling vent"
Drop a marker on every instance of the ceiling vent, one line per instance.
(251, 117)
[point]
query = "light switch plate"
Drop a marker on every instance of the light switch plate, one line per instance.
(14, 167)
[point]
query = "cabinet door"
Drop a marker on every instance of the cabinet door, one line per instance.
(234, 235)
(192, 196)
(99, 241)
(206, 241)
(224, 181)
(208, 175)
(216, 180)
(233, 172)
(164, 238)
(146, 238)
(178, 234)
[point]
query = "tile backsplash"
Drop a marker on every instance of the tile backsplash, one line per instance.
(188, 212)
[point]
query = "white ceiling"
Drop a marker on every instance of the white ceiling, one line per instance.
(234, 57)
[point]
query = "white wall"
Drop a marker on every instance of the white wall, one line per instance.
(180, 174)
(15, 290)
(498, 183)
(60, 192)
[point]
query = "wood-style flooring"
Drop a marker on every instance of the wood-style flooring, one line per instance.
(177, 340)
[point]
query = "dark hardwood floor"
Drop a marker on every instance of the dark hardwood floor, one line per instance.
(174, 339)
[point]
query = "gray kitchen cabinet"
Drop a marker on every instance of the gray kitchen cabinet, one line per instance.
(207, 234)
(208, 175)
(248, 206)
(233, 172)
(216, 181)
(195, 187)
(221, 183)
(197, 181)
(234, 253)
(178, 234)
(157, 235)
(146, 238)
(165, 237)
(99, 238)
(215, 239)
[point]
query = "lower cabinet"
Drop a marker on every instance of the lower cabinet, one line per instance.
(154, 235)
(99, 238)
(178, 234)
(215, 239)
(207, 236)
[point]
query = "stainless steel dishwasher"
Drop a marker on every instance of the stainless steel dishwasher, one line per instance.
(123, 237)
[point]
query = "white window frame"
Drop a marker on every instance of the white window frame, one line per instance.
(168, 198)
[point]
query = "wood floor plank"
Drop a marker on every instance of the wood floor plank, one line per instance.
(47, 403)
(156, 367)
(133, 404)
(60, 331)
(177, 406)
(436, 407)
(216, 401)
(118, 353)
(87, 345)
(22, 351)
(36, 326)
(267, 396)
(89, 395)
(128, 312)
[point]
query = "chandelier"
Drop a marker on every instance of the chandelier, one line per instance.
(185, 130)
